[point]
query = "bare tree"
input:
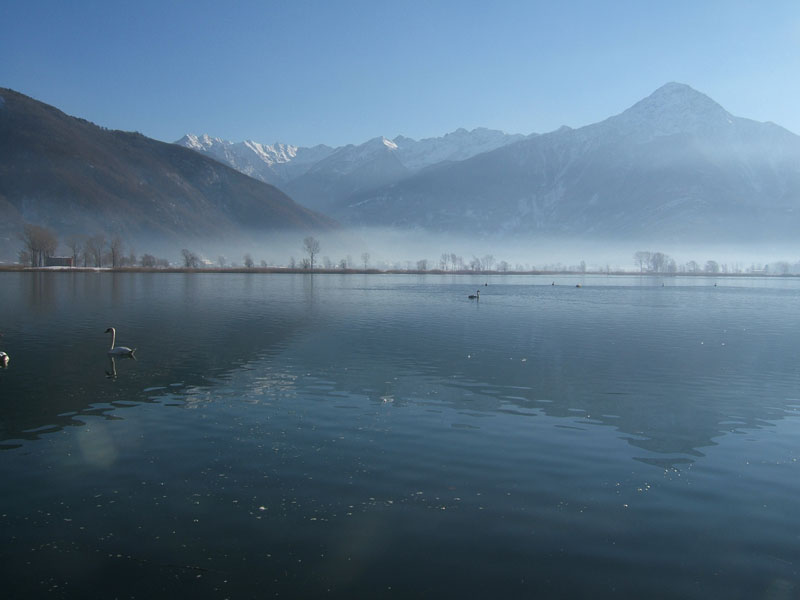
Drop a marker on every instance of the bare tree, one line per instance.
(311, 245)
(40, 243)
(642, 258)
(672, 266)
(115, 251)
(365, 259)
(31, 251)
(190, 260)
(658, 262)
(248, 261)
(94, 248)
(422, 265)
(148, 260)
(75, 245)
(49, 243)
(221, 261)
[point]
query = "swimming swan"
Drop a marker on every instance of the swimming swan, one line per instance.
(3, 357)
(118, 350)
(475, 296)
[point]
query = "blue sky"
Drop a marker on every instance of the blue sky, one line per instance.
(336, 72)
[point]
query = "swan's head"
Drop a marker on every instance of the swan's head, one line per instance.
(109, 330)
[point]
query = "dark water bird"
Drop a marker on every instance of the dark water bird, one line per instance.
(475, 296)
(578, 285)
(3, 357)
(118, 350)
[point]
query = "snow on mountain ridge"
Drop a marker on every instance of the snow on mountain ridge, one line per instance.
(347, 159)
(273, 163)
(672, 109)
(456, 145)
(280, 163)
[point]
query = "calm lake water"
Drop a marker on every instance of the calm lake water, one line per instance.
(353, 436)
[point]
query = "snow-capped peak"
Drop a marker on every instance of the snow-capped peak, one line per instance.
(279, 163)
(673, 108)
(202, 142)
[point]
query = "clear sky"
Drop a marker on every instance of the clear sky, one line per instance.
(337, 72)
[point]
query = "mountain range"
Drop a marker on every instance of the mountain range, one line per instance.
(320, 176)
(78, 178)
(675, 165)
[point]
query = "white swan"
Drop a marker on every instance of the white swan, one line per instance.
(3, 357)
(118, 350)
(475, 296)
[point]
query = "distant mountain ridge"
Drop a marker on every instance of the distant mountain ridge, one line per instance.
(73, 176)
(675, 165)
(271, 163)
(321, 176)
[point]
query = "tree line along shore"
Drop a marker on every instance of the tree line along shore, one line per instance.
(40, 246)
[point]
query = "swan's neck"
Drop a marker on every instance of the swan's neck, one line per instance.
(113, 338)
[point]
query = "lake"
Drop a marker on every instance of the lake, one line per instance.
(384, 436)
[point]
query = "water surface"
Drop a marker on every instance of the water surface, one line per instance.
(384, 436)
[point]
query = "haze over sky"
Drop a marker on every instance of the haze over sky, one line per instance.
(336, 72)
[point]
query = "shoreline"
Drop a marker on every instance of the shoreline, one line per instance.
(297, 271)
